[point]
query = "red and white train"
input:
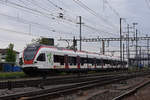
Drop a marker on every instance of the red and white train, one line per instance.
(46, 59)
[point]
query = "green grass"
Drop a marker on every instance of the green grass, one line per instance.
(91, 72)
(7, 75)
(63, 73)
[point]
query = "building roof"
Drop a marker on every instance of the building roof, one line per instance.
(4, 51)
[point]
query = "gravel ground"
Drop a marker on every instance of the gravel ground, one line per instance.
(107, 92)
(142, 94)
(4, 92)
(16, 90)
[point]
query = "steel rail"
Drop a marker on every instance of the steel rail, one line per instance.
(70, 88)
(131, 92)
(49, 81)
(54, 91)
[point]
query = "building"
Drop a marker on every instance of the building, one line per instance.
(8, 66)
(3, 53)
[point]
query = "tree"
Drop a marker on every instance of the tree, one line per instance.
(11, 54)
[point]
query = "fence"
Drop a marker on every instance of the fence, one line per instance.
(9, 67)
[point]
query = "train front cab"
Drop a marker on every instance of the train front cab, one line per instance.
(37, 61)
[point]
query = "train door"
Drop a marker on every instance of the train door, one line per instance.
(95, 63)
(102, 63)
(66, 60)
(87, 61)
(78, 61)
(41, 60)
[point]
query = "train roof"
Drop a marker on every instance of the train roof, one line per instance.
(64, 51)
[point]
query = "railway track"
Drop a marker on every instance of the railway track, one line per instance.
(34, 82)
(70, 88)
(131, 91)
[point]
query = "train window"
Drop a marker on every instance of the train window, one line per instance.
(30, 52)
(94, 61)
(90, 60)
(59, 59)
(56, 58)
(112, 63)
(97, 62)
(72, 60)
(41, 57)
(105, 61)
(83, 61)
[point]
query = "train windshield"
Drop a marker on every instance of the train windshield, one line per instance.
(30, 52)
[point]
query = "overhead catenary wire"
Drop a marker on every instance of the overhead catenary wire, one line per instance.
(42, 13)
(24, 21)
(147, 3)
(70, 21)
(14, 31)
(115, 12)
(26, 9)
(35, 3)
(47, 15)
(82, 17)
(98, 30)
(55, 5)
(28, 34)
(37, 11)
(91, 11)
(23, 2)
(93, 27)
(64, 24)
(100, 25)
(88, 21)
(32, 23)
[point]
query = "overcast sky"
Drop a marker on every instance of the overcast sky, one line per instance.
(23, 20)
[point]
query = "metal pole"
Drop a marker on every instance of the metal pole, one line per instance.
(140, 57)
(128, 49)
(147, 50)
(123, 55)
(136, 47)
(80, 22)
(74, 43)
(143, 59)
(80, 33)
(135, 30)
(121, 40)
(103, 47)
